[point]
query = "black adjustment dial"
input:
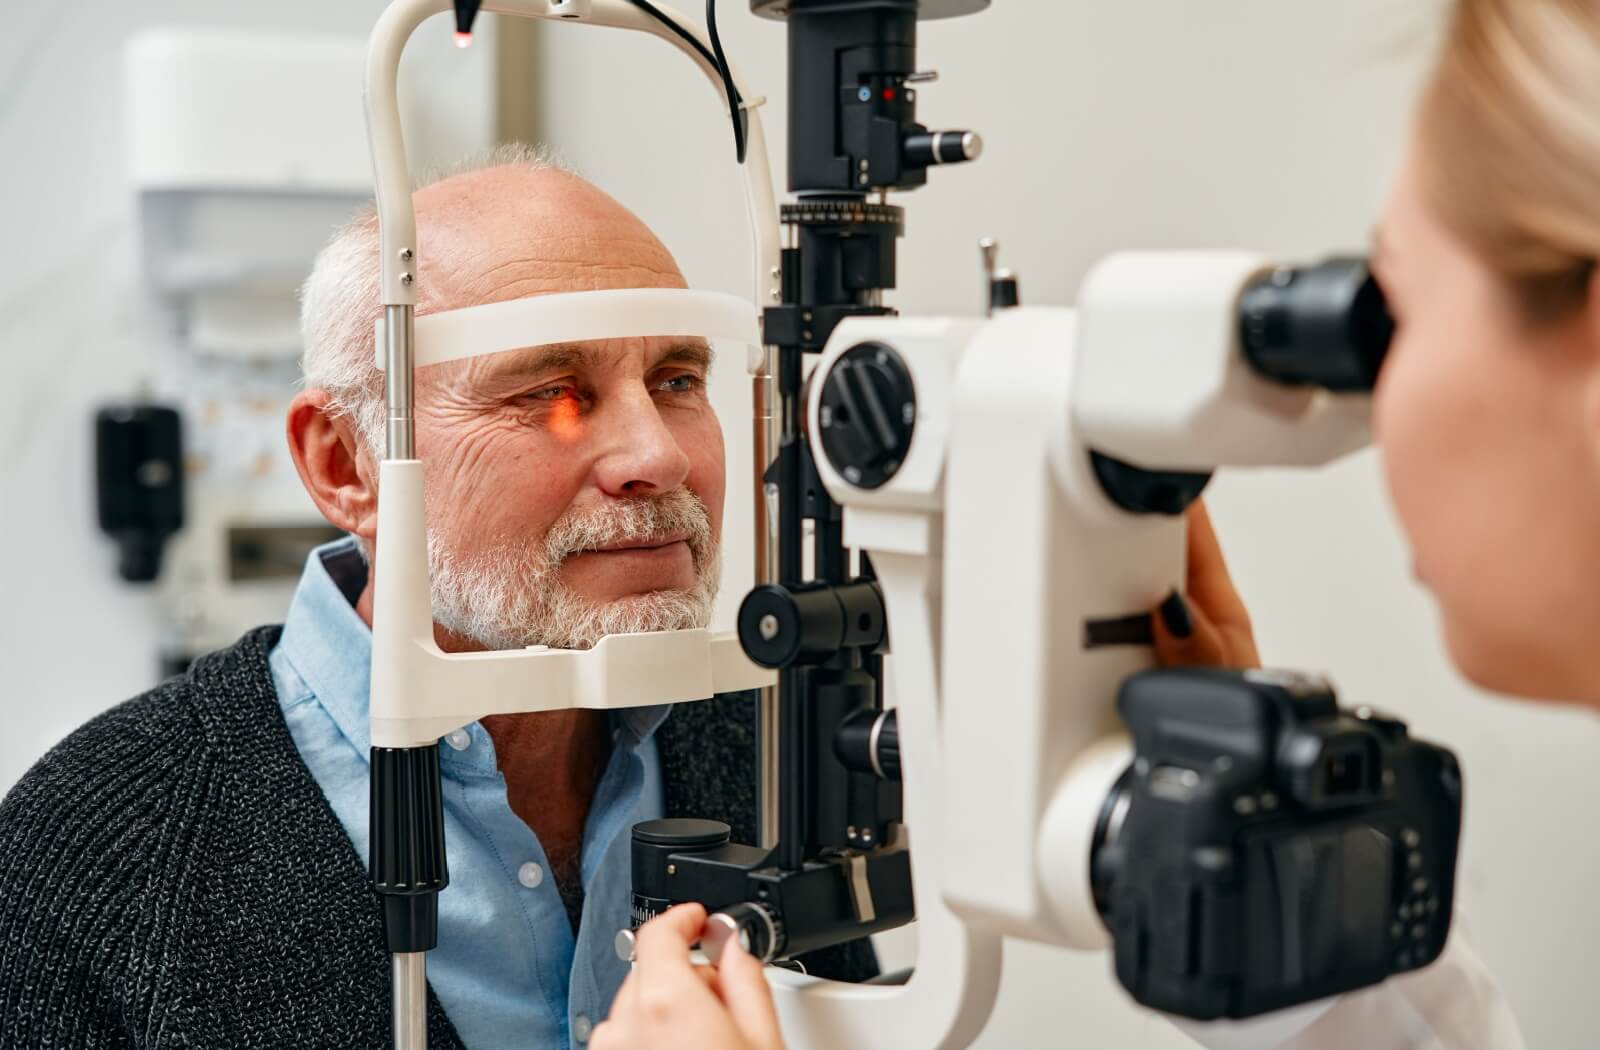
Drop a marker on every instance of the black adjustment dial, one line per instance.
(867, 413)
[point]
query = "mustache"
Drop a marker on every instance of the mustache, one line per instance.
(643, 520)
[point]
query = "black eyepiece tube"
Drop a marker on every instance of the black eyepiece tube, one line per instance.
(1325, 325)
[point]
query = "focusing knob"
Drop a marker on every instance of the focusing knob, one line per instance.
(867, 414)
(756, 927)
(845, 215)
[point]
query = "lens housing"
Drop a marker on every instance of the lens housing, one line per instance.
(1325, 325)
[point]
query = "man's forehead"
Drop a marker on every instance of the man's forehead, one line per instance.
(509, 232)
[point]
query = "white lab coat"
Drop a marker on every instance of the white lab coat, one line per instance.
(1455, 1004)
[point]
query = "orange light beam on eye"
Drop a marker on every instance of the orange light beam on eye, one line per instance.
(564, 420)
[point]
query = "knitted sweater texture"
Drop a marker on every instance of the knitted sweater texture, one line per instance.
(172, 876)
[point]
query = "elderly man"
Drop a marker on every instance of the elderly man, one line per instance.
(189, 868)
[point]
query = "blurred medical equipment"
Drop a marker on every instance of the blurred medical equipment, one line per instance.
(243, 152)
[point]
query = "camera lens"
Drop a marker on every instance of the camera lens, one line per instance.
(1325, 325)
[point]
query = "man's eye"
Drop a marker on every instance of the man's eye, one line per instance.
(558, 392)
(681, 384)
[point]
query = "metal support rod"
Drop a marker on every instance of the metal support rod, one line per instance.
(768, 433)
(794, 770)
(410, 1001)
(398, 390)
(410, 1006)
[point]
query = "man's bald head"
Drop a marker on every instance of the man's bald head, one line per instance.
(509, 225)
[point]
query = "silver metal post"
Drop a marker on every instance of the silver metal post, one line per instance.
(767, 433)
(411, 1001)
(399, 331)
(410, 1006)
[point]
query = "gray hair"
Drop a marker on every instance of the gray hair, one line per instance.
(339, 305)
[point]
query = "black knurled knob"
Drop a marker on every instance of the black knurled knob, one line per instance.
(867, 413)
(407, 852)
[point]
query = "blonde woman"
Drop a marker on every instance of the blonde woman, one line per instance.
(1488, 418)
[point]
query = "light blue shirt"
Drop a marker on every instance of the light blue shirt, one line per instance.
(508, 969)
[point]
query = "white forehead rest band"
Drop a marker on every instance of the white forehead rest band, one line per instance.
(575, 317)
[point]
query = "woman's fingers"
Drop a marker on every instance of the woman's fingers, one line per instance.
(749, 999)
(1186, 637)
(661, 955)
(1210, 586)
(1211, 627)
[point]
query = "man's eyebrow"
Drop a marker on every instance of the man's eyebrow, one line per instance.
(552, 357)
(698, 354)
(556, 357)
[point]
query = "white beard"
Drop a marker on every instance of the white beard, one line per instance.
(511, 595)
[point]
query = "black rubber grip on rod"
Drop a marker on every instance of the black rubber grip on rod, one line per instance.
(407, 861)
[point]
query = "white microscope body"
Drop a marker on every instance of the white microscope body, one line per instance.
(996, 547)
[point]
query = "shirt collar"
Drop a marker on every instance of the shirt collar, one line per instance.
(330, 646)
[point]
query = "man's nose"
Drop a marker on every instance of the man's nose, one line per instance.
(642, 456)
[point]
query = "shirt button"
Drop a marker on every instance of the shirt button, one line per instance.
(581, 1028)
(460, 740)
(530, 874)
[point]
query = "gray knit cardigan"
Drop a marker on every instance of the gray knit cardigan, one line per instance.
(172, 876)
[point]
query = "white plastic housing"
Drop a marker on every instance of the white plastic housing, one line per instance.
(1165, 385)
(1040, 551)
(420, 693)
(957, 975)
(568, 317)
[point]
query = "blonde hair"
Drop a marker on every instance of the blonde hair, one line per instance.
(1509, 137)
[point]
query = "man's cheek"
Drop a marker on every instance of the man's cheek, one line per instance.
(708, 474)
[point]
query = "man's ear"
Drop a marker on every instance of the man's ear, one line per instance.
(336, 471)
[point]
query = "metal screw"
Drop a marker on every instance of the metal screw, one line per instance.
(672, 869)
(405, 254)
(769, 627)
(405, 278)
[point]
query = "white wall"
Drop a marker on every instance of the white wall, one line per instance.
(1166, 124)
(73, 329)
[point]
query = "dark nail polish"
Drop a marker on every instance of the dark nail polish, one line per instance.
(1175, 614)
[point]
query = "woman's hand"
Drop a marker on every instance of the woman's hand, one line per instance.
(1211, 628)
(669, 1003)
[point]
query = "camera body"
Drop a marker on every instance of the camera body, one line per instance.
(1269, 848)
